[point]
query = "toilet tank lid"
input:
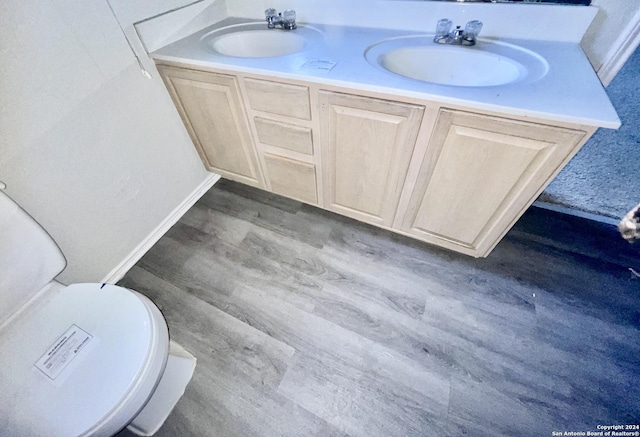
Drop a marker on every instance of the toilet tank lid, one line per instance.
(29, 258)
(72, 357)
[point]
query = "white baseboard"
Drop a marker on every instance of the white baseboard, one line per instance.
(125, 265)
(621, 50)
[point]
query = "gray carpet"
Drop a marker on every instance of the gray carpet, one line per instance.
(602, 178)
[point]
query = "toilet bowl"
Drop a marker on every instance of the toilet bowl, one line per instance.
(78, 360)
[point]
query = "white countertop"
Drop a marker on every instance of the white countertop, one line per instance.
(569, 92)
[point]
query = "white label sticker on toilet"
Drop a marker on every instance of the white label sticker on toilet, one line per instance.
(67, 347)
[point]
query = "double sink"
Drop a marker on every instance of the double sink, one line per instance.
(416, 57)
(549, 80)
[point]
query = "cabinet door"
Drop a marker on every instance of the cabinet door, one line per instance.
(211, 108)
(479, 175)
(366, 149)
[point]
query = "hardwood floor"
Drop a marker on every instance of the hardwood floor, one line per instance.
(306, 323)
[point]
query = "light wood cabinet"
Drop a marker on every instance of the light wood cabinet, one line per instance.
(278, 98)
(291, 178)
(366, 149)
(479, 174)
(452, 178)
(211, 108)
(280, 116)
(284, 135)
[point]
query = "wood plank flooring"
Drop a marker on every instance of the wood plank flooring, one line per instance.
(306, 323)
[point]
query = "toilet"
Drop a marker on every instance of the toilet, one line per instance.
(78, 360)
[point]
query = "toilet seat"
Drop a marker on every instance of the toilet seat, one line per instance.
(81, 384)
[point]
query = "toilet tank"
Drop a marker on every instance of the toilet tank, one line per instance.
(29, 258)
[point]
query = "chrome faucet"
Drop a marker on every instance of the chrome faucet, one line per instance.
(457, 36)
(285, 19)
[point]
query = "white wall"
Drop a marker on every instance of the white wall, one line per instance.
(550, 22)
(611, 20)
(610, 23)
(91, 148)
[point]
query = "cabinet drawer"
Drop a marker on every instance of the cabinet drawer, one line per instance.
(284, 135)
(292, 178)
(278, 98)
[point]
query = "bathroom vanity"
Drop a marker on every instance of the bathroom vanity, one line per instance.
(337, 118)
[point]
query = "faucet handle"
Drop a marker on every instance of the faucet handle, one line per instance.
(472, 29)
(270, 13)
(289, 19)
(289, 15)
(443, 27)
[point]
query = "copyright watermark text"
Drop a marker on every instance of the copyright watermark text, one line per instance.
(631, 430)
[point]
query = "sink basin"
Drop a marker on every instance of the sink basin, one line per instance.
(254, 40)
(483, 65)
